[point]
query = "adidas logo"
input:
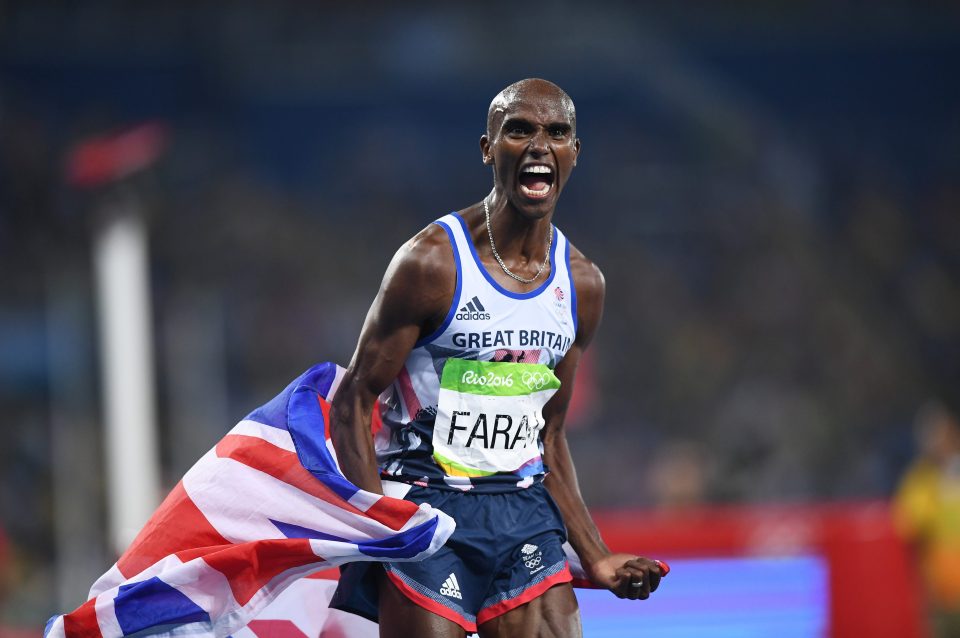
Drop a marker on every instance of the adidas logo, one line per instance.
(451, 587)
(473, 310)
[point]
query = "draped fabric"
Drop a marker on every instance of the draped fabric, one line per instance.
(265, 507)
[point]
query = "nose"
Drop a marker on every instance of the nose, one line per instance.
(539, 143)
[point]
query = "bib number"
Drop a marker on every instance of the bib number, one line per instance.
(489, 417)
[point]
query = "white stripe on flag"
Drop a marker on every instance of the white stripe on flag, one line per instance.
(214, 483)
(276, 436)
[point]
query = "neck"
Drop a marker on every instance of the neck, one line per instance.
(520, 262)
(517, 235)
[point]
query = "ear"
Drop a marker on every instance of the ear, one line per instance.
(485, 151)
(576, 148)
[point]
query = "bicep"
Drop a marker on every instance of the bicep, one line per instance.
(387, 337)
(410, 297)
(590, 289)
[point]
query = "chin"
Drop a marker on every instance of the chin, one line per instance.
(537, 209)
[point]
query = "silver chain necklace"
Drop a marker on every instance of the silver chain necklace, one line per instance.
(493, 247)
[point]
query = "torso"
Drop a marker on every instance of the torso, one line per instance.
(465, 411)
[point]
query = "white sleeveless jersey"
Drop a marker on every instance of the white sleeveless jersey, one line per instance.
(465, 412)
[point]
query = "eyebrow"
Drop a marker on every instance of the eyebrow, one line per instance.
(519, 121)
(514, 121)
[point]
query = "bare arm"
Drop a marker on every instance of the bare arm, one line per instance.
(606, 569)
(413, 299)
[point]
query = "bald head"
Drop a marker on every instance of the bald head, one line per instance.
(531, 90)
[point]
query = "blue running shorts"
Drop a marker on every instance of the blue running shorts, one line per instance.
(507, 549)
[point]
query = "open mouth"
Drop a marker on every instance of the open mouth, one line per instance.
(536, 181)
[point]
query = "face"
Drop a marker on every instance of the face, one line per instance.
(532, 146)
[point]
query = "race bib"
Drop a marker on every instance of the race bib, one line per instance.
(489, 416)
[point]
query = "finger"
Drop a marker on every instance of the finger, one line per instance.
(638, 577)
(654, 578)
(660, 571)
(634, 583)
(640, 587)
(664, 568)
(622, 588)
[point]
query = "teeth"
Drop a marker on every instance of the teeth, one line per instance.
(532, 193)
(538, 169)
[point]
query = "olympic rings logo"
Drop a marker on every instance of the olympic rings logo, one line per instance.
(533, 562)
(534, 380)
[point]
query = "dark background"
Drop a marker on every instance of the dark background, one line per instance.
(770, 188)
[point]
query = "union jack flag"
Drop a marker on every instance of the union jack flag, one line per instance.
(265, 507)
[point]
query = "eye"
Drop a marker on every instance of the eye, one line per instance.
(514, 128)
(558, 132)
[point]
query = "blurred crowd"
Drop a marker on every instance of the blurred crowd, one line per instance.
(773, 194)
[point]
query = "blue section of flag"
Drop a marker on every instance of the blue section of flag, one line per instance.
(151, 603)
(309, 433)
(402, 545)
(296, 531)
(409, 543)
(274, 413)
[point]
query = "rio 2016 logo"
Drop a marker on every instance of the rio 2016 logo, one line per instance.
(534, 380)
(492, 379)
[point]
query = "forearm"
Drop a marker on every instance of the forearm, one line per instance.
(582, 533)
(350, 415)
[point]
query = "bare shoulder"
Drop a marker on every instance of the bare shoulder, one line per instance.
(587, 276)
(426, 254)
(591, 288)
(420, 282)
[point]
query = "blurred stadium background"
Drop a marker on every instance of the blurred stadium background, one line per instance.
(771, 188)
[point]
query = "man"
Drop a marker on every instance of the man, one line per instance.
(926, 510)
(471, 346)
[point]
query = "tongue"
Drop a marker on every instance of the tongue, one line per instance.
(534, 182)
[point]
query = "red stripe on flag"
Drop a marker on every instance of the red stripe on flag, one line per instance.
(250, 566)
(82, 622)
(394, 513)
(332, 573)
(280, 464)
(275, 629)
(188, 555)
(325, 411)
(176, 526)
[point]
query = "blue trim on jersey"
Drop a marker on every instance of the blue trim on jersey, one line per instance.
(493, 282)
(456, 293)
(573, 291)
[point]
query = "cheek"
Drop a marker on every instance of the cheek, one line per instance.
(566, 160)
(504, 164)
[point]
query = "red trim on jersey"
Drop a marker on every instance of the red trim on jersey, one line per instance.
(491, 612)
(430, 604)
(410, 398)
